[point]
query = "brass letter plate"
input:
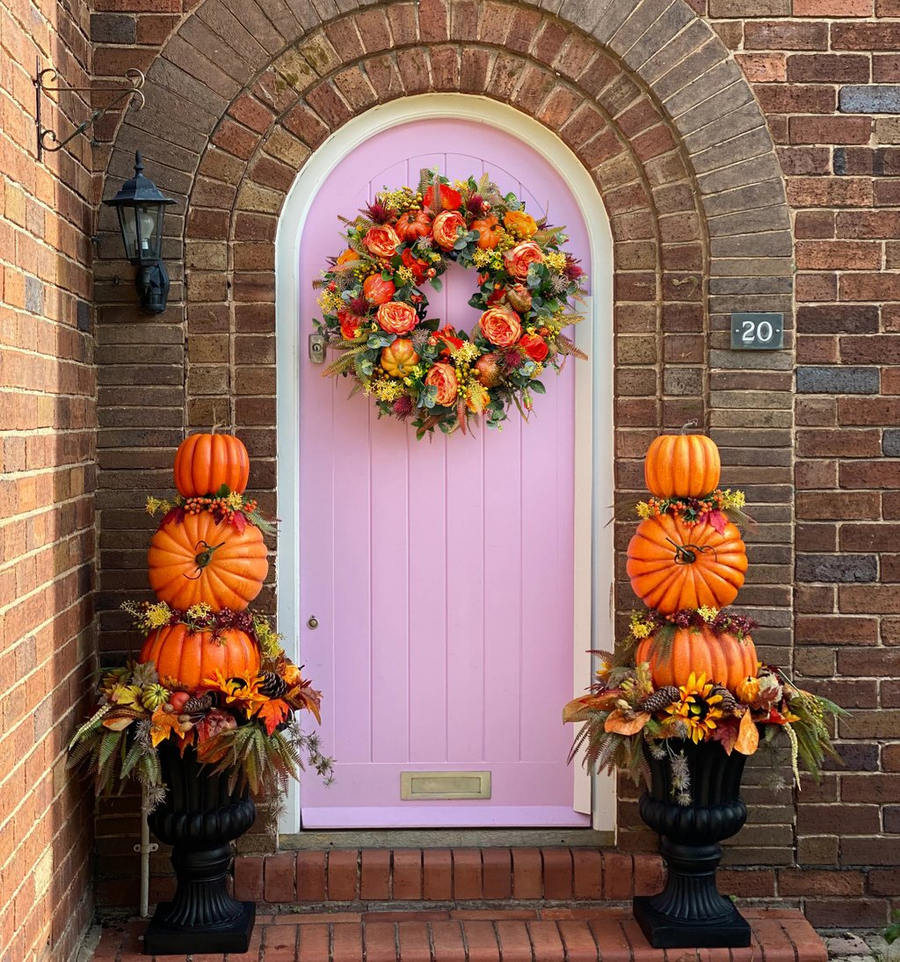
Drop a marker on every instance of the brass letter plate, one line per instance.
(424, 785)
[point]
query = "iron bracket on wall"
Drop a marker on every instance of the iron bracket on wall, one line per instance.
(43, 79)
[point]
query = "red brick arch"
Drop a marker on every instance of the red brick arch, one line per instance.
(645, 95)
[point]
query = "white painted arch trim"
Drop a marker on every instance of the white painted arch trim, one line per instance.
(594, 380)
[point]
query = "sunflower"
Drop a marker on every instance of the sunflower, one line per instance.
(697, 708)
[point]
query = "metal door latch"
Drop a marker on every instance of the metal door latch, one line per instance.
(317, 348)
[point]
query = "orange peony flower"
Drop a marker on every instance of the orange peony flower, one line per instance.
(382, 241)
(397, 317)
(349, 325)
(450, 198)
(417, 267)
(521, 257)
(443, 377)
(501, 326)
(445, 228)
(520, 222)
(377, 290)
(348, 255)
(534, 346)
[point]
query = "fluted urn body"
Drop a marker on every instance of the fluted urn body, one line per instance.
(199, 818)
(690, 911)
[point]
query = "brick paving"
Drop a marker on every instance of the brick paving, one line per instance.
(541, 934)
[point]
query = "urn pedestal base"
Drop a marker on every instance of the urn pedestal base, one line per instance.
(162, 938)
(690, 912)
(199, 818)
(728, 931)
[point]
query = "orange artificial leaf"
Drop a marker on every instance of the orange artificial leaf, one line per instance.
(748, 736)
(273, 713)
(619, 723)
(162, 725)
(578, 708)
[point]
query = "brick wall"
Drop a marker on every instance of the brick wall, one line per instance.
(47, 480)
(664, 118)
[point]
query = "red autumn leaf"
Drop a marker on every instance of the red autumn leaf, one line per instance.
(273, 713)
(239, 520)
(718, 520)
(726, 732)
(176, 515)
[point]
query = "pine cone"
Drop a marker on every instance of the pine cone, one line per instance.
(660, 699)
(728, 704)
(195, 708)
(272, 685)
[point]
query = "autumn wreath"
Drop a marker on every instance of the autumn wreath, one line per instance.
(375, 312)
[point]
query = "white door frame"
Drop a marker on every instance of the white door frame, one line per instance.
(594, 387)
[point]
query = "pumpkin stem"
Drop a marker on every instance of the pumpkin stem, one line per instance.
(693, 423)
(204, 557)
(686, 554)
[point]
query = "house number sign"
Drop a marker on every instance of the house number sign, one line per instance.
(757, 332)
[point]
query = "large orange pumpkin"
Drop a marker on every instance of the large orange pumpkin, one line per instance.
(682, 465)
(722, 658)
(204, 462)
(673, 566)
(188, 657)
(197, 560)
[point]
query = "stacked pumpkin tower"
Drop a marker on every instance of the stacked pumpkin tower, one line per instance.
(686, 562)
(208, 561)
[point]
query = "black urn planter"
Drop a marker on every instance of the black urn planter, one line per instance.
(690, 911)
(199, 818)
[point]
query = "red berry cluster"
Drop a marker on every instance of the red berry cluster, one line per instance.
(218, 507)
(692, 511)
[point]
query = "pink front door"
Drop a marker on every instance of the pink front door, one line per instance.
(440, 572)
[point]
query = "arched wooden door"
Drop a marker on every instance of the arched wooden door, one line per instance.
(441, 572)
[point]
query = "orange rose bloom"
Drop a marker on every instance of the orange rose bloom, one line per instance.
(445, 228)
(534, 346)
(501, 326)
(443, 377)
(520, 222)
(376, 290)
(382, 241)
(397, 317)
(348, 255)
(521, 257)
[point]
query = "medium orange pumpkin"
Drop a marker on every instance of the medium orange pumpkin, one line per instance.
(488, 232)
(189, 657)
(682, 465)
(673, 566)
(413, 224)
(197, 560)
(722, 658)
(399, 358)
(204, 462)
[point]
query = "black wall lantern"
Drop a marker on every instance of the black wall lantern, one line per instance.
(140, 206)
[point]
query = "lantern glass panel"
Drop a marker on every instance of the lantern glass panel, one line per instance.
(149, 231)
(128, 226)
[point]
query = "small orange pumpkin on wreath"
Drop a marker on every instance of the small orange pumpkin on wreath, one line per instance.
(374, 310)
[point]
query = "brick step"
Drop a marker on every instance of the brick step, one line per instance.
(495, 935)
(444, 875)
